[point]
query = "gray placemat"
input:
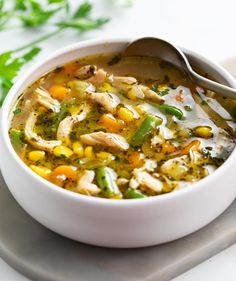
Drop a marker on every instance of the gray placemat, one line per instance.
(42, 255)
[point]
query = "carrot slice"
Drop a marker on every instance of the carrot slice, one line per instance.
(193, 145)
(62, 173)
(110, 123)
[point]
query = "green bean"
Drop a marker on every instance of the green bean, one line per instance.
(106, 181)
(16, 138)
(149, 123)
(132, 193)
(172, 110)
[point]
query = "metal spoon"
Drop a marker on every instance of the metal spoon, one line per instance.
(155, 47)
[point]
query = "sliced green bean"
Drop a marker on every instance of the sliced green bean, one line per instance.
(172, 110)
(16, 138)
(132, 193)
(148, 125)
(106, 181)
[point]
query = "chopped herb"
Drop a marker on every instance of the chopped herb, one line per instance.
(204, 102)
(233, 112)
(163, 92)
(17, 111)
(58, 69)
(114, 60)
(154, 88)
(188, 108)
(206, 153)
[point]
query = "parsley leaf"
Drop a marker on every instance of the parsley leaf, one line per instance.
(84, 24)
(20, 5)
(36, 14)
(9, 68)
(83, 10)
(81, 19)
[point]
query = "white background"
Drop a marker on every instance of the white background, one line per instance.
(205, 26)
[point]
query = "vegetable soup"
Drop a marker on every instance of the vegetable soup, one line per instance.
(121, 128)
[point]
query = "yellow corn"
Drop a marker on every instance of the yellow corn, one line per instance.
(203, 132)
(36, 155)
(125, 114)
(88, 152)
(78, 149)
(106, 87)
(41, 171)
(162, 87)
(62, 151)
(104, 155)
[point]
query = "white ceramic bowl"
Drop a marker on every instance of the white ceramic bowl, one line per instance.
(113, 223)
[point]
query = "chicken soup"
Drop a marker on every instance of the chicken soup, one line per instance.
(121, 128)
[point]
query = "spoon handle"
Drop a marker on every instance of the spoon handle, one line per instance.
(213, 86)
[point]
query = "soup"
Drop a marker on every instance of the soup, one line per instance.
(121, 128)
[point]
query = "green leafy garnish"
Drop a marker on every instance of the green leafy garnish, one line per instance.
(9, 68)
(17, 111)
(81, 19)
(16, 138)
(36, 14)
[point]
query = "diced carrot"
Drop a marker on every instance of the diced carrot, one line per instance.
(167, 147)
(136, 159)
(62, 173)
(58, 92)
(193, 145)
(110, 123)
(180, 96)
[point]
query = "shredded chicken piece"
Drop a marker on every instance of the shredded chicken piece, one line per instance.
(36, 140)
(122, 181)
(150, 94)
(142, 178)
(176, 168)
(108, 100)
(99, 77)
(85, 185)
(122, 82)
(106, 139)
(150, 165)
(65, 126)
(43, 97)
(86, 71)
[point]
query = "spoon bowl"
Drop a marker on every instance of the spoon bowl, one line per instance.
(155, 47)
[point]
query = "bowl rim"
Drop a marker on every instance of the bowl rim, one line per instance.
(11, 98)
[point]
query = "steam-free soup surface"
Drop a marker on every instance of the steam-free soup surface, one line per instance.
(121, 128)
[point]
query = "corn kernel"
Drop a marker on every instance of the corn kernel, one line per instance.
(125, 114)
(41, 171)
(203, 132)
(162, 87)
(104, 155)
(36, 155)
(88, 152)
(106, 87)
(62, 151)
(78, 149)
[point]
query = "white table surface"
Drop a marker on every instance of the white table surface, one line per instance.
(205, 26)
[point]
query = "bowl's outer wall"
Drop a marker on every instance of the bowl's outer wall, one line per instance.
(113, 224)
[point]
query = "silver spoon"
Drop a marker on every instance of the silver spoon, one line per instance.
(155, 47)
